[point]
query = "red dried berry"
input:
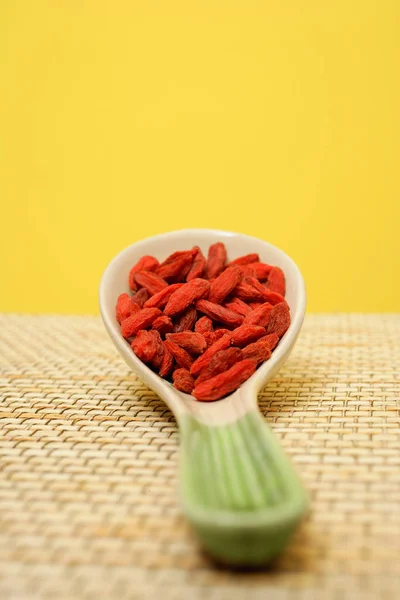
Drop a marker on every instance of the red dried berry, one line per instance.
(173, 266)
(182, 357)
(255, 305)
(203, 360)
(259, 316)
(167, 362)
(146, 263)
(246, 334)
(259, 270)
(280, 319)
(260, 287)
(213, 336)
(148, 346)
(247, 271)
(140, 297)
(125, 307)
(150, 281)
(140, 320)
(276, 281)
(246, 259)
(247, 293)
(203, 324)
(220, 331)
(186, 321)
(183, 380)
(160, 299)
(159, 354)
(273, 297)
(220, 362)
(259, 351)
(163, 325)
(271, 339)
(186, 295)
(268, 296)
(210, 337)
(225, 383)
(216, 260)
(239, 307)
(222, 286)
(198, 265)
(191, 341)
(219, 313)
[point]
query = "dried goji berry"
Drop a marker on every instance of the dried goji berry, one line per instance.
(163, 325)
(247, 293)
(152, 282)
(140, 297)
(260, 287)
(226, 382)
(260, 270)
(186, 295)
(220, 362)
(171, 258)
(183, 274)
(271, 339)
(247, 271)
(183, 380)
(186, 321)
(144, 345)
(203, 360)
(146, 263)
(255, 305)
(210, 337)
(148, 346)
(279, 321)
(219, 313)
(246, 334)
(182, 357)
(222, 286)
(246, 259)
(259, 316)
(216, 260)
(239, 307)
(273, 297)
(215, 335)
(167, 362)
(258, 351)
(220, 331)
(191, 341)
(268, 296)
(159, 354)
(276, 281)
(125, 307)
(198, 265)
(204, 324)
(140, 320)
(173, 266)
(160, 299)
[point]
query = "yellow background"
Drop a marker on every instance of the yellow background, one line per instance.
(123, 119)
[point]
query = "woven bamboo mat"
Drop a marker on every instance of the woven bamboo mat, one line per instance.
(88, 480)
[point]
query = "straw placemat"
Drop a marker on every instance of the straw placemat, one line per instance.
(89, 462)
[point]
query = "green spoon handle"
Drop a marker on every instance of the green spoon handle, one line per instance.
(239, 489)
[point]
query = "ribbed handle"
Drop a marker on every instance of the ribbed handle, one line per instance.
(239, 489)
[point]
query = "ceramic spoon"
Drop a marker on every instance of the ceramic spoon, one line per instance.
(239, 489)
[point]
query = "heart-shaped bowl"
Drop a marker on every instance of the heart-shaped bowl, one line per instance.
(239, 489)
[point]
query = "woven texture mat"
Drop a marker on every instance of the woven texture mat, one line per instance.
(89, 463)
